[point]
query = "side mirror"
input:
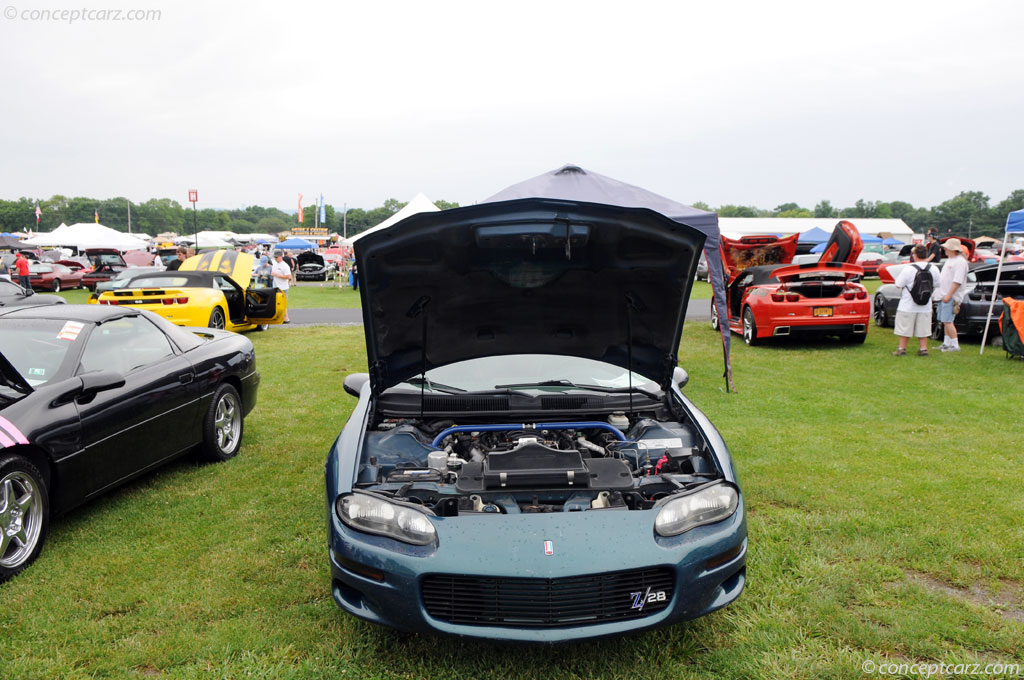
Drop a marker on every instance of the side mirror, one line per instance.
(354, 383)
(680, 377)
(88, 385)
(99, 381)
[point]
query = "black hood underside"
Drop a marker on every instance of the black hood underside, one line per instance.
(530, 276)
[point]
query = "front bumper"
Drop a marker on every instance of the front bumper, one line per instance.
(707, 567)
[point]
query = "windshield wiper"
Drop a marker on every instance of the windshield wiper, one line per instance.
(435, 387)
(591, 388)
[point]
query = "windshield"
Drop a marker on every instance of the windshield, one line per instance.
(38, 348)
(159, 282)
(523, 370)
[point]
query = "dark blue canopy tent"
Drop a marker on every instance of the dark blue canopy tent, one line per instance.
(815, 235)
(1014, 225)
(573, 183)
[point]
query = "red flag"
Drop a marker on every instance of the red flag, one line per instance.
(300, 208)
(38, 213)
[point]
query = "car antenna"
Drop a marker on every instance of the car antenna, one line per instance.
(418, 308)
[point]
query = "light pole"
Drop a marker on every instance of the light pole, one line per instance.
(193, 196)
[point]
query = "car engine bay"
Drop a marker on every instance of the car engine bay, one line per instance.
(475, 466)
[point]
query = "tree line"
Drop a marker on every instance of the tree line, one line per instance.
(159, 215)
(967, 214)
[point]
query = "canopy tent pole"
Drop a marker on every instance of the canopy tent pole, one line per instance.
(1014, 223)
(995, 291)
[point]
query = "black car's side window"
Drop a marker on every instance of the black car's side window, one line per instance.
(124, 344)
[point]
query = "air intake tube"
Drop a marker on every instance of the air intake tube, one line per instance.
(582, 425)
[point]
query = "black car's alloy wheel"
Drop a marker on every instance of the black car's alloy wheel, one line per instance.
(881, 316)
(216, 318)
(223, 425)
(24, 513)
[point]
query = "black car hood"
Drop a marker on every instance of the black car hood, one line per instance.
(529, 276)
(1010, 271)
(308, 257)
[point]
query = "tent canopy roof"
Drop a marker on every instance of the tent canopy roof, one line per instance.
(87, 235)
(1015, 221)
(814, 235)
(418, 204)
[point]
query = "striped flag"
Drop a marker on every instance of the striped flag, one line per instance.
(38, 213)
(300, 208)
(323, 210)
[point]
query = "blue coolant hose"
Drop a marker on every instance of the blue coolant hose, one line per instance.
(583, 425)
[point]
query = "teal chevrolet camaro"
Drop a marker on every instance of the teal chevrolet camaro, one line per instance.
(522, 463)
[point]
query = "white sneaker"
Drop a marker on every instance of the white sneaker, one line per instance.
(949, 348)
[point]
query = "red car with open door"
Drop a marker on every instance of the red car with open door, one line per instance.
(768, 297)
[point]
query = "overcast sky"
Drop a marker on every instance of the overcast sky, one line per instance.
(754, 103)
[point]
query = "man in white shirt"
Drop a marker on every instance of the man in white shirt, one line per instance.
(914, 320)
(281, 274)
(951, 292)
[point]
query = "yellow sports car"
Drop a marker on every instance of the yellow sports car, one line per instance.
(211, 289)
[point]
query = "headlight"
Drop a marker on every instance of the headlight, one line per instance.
(704, 507)
(377, 516)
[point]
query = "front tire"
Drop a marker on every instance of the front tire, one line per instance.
(217, 318)
(24, 514)
(223, 425)
(750, 328)
(881, 316)
(55, 286)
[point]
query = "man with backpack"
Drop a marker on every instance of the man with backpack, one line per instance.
(917, 282)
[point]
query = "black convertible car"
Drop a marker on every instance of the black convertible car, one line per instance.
(973, 310)
(310, 267)
(92, 396)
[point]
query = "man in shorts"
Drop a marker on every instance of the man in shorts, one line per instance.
(951, 292)
(914, 320)
(281, 274)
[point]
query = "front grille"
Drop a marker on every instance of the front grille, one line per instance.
(547, 603)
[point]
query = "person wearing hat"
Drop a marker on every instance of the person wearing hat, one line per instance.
(281, 273)
(951, 292)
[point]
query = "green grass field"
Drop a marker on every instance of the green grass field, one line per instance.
(884, 498)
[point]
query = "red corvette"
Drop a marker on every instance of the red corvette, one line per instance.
(46, 276)
(769, 297)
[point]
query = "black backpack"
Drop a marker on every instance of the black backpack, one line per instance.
(923, 286)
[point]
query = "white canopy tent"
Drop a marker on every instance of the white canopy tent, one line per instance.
(84, 235)
(418, 204)
(205, 239)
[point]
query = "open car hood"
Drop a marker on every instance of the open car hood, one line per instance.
(529, 276)
(755, 251)
(309, 257)
(233, 264)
